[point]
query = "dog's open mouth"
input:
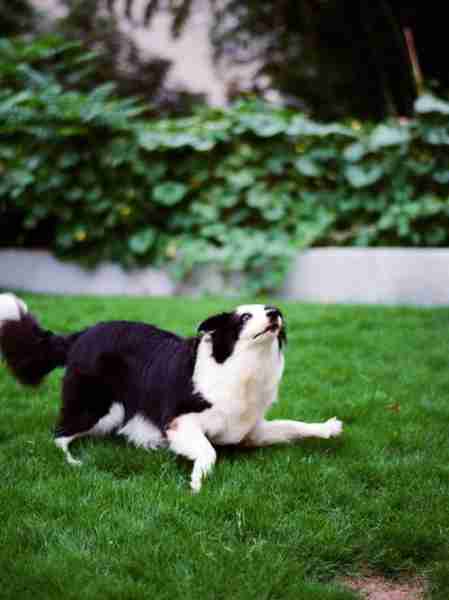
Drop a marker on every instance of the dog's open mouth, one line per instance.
(272, 328)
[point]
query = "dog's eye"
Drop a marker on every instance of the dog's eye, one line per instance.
(245, 317)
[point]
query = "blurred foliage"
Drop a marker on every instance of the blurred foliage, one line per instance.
(330, 57)
(118, 57)
(120, 60)
(85, 175)
(16, 17)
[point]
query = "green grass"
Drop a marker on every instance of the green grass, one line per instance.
(273, 523)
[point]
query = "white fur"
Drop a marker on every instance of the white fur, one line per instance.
(258, 322)
(279, 431)
(111, 421)
(187, 438)
(142, 433)
(243, 387)
(11, 307)
(63, 444)
(240, 390)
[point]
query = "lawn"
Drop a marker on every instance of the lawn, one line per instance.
(275, 523)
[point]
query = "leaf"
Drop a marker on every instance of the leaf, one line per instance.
(437, 136)
(142, 241)
(223, 197)
(300, 125)
(428, 103)
(274, 213)
(178, 139)
(16, 99)
(354, 152)
(265, 125)
(150, 139)
(420, 167)
(21, 178)
(103, 91)
(155, 171)
(241, 179)
(441, 176)
(68, 159)
(386, 135)
(205, 211)
(359, 176)
(169, 192)
(276, 164)
(259, 197)
(202, 144)
(308, 167)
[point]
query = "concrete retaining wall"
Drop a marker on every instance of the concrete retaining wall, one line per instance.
(328, 275)
(371, 275)
(39, 271)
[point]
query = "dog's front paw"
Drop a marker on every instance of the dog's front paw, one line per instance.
(201, 468)
(333, 427)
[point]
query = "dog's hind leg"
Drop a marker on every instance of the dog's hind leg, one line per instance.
(63, 442)
(86, 410)
(105, 425)
(187, 438)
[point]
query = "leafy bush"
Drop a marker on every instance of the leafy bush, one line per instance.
(241, 188)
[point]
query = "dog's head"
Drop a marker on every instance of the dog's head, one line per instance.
(248, 325)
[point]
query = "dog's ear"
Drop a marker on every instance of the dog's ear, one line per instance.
(215, 322)
(224, 335)
(283, 336)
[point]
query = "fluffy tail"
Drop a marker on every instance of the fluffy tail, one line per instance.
(30, 352)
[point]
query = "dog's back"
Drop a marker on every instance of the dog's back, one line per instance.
(146, 369)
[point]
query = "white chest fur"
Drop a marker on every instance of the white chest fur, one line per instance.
(240, 390)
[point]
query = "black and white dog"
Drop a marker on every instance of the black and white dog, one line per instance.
(159, 389)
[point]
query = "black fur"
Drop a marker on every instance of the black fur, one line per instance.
(225, 330)
(30, 351)
(147, 370)
(282, 337)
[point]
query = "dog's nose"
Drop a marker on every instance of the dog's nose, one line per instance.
(273, 313)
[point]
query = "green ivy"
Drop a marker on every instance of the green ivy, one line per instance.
(241, 188)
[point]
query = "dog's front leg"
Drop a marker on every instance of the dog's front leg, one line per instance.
(266, 433)
(186, 437)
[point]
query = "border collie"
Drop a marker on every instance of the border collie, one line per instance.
(158, 389)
